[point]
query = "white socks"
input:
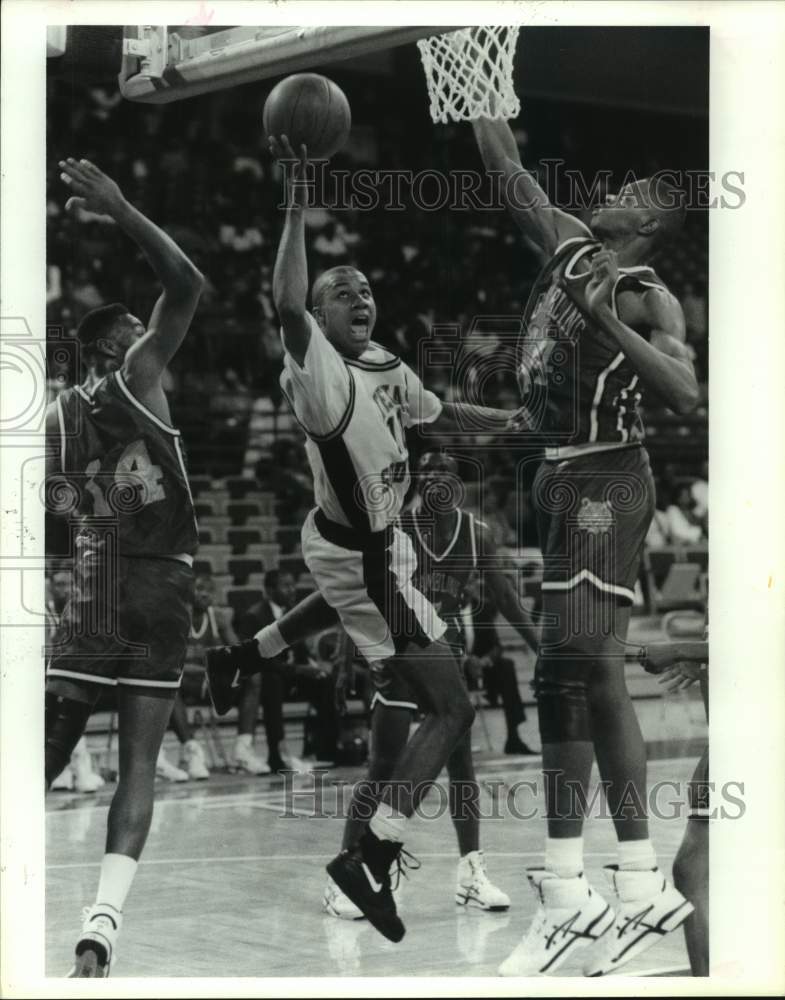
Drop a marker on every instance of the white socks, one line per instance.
(564, 856)
(117, 874)
(636, 855)
(387, 824)
(270, 641)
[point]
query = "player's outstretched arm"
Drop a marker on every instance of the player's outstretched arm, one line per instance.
(662, 362)
(544, 226)
(502, 590)
(182, 282)
(290, 276)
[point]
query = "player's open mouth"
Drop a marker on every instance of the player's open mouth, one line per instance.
(360, 326)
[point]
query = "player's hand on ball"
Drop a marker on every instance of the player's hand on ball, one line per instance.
(93, 190)
(604, 275)
(295, 168)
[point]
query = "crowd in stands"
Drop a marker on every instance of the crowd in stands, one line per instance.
(208, 178)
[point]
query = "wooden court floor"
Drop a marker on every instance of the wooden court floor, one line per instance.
(231, 881)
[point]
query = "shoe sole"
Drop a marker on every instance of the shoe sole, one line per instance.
(395, 934)
(87, 965)
(472, 901)
(648, 938)
(332, 912)
(602, 924)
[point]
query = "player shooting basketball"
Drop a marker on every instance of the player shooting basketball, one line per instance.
(354, 400)
(594, 499)
(127, 623)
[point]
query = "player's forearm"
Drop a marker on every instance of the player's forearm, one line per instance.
(671, 379)
(174, 269)
(495, 142)
(290, 276)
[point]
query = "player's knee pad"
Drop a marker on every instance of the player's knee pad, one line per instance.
(561, 687)
(64, 722)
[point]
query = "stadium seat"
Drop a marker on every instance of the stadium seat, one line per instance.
(239, 487)
(241, 538)
(213, 558)
(199, 484)
(218, 525)
(204, 508)
(268, 554)
(241, 568)
(240, 599)
(698, 554)
(658, 562)
(288, 537)
(205, 536)
(222, 582)
(240, 511)
(266, 502)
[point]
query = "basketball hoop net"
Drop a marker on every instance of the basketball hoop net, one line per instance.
(469, 73)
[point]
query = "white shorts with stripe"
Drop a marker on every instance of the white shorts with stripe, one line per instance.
(370, 588)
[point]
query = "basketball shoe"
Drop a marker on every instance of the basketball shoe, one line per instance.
(95, 948)
(165, 769)
(570, 915)
(474, 888)
(648, 908)
(363, 874)
(64, 782)
(85, 778)
(192, 760)
(337, 904)
(244, 759)
(227, 667)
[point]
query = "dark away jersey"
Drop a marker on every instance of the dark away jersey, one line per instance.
(576, 384)
(442, 576)
(128, 467)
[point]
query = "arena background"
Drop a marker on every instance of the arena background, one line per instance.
(616, 99)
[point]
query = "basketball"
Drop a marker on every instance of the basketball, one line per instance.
(310, 109)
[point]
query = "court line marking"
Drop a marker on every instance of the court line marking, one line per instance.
(238, 859)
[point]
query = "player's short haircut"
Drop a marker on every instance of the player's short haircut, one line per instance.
(327, 279)
(669, 202)
(444, 458)
(98, 323)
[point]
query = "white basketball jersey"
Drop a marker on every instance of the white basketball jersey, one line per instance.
(354, 412)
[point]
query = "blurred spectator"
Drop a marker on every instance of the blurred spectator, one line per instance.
(299, 671)
(683, 526)
(290, 479)
(700, 495)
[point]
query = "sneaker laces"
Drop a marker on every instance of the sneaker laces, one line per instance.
(404, 861)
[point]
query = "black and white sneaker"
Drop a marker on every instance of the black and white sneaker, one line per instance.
(227, 667)
(96, 946)
(362, 873)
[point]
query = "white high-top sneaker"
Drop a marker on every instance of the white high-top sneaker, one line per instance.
(96, 947)
(64, 782)
(474, 888)
(165, 769)
(648, 908)
(85, 778)
(570, 916)
(244, 759)
(192, 759)
(337, 904)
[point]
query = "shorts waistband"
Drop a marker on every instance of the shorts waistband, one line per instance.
(560, 454)
(349, 538)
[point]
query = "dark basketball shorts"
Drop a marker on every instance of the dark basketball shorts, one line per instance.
(593, 512)
(127, 625)
(394, 691)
